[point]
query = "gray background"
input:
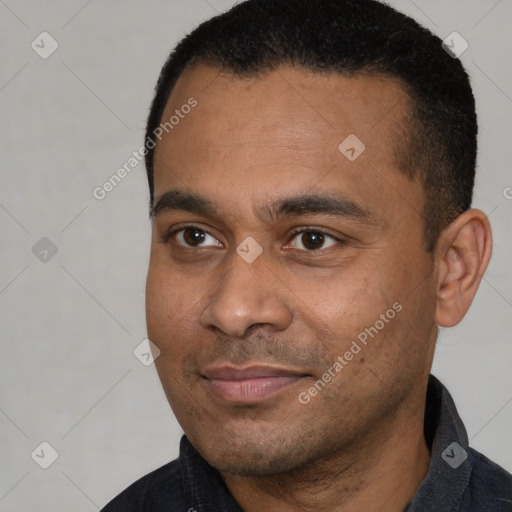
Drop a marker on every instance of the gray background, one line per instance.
(68, 375)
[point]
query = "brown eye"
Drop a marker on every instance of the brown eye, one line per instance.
(312, 240)
(195, 237)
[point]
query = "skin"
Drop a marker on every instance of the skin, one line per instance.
(251, 142)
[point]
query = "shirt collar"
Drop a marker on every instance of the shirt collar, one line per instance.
(203, 486)
(450, 460)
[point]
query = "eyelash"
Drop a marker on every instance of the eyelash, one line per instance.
(167, 238)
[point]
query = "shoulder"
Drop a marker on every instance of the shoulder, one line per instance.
(490, 484)
(153, 492)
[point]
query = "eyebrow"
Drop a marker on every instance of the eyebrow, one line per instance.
(332, 205)
(175, 200)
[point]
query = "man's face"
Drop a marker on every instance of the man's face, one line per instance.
(245, 335)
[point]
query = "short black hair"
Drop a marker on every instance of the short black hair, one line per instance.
(348, 37)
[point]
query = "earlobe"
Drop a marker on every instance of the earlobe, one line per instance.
(462, 254)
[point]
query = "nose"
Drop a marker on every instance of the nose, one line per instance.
(248, 294)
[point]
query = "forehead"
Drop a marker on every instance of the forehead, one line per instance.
(284, 130)
(327, 101)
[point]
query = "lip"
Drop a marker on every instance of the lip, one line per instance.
(251, 384)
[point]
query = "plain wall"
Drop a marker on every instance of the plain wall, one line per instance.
(68, 375)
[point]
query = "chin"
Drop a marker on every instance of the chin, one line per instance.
(253, 457)
(246, 465)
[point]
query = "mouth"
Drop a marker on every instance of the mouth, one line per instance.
(251, 384)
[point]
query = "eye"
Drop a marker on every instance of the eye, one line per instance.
(192, 236)
(311, 240)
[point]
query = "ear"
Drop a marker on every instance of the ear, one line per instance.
(462, 254)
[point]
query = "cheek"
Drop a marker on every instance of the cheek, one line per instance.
(169, 299)
(357, 315)
(348, 301)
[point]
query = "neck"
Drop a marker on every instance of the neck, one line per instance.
(380, 474)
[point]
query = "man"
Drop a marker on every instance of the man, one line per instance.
(311, 166)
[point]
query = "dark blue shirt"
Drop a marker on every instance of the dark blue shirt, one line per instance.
(459, 478)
